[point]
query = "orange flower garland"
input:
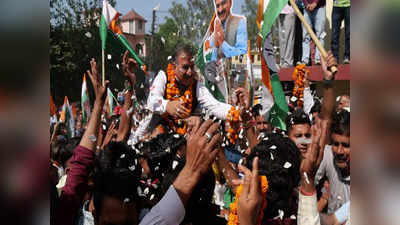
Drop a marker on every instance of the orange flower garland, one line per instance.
(233, 218)
(173, 94)
(298, 76)
(232, 118)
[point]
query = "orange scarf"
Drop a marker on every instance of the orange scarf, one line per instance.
(173, 94)
(298, 76)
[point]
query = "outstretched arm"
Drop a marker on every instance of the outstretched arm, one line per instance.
(308, 207)
(328, 102)
(83, 157)
(215, 107)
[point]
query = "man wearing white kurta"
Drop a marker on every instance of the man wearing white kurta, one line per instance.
(184, 74)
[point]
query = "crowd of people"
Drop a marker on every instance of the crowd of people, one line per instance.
(186, 158)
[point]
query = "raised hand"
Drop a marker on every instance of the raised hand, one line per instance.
(99, 90)
(128, 66)
(110, 134)
(251, 198)
(201, 151)
(243, 98)
(326, 63)
(308, 165)
(91, 136)
(193, 123)
(201, 147)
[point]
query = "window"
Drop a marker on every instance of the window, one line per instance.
(140, 25)
(131, 26)
(258, 58)
(252, 58)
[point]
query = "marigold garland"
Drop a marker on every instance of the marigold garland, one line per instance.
(298, 76)
(232, 119)
(233, 218)
(174, 94)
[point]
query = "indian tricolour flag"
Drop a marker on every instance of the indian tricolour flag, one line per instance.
(203, 57)
(273, 97)
(110, 102)
(109, 25)
(85, 103)
(67, 117)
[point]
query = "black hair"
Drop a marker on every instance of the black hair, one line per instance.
(116, 174)
(316, 107)
(274, 151)
(199, 209)
(297, 117)
(160, 154)
(341, 123)
(161, 151)
(62, 151)
(255, 110)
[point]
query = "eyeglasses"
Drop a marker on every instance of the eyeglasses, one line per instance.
(344, 144)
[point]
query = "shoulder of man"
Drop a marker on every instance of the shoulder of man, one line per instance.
(237, 18)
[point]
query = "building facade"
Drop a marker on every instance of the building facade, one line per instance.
(133, 28)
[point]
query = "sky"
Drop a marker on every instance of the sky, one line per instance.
(145, 8)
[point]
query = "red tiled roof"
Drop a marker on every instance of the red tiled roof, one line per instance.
(132, 15)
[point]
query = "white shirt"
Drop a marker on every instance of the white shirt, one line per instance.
(158, 104)
(308, 100)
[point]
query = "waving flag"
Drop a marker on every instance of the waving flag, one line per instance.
(268, 12)
(85, 103)
(273, 97)
(68, 118)
(110, 102)
(109, 25)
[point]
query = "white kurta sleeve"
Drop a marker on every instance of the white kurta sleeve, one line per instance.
(156, 101)
(308, 210)
(308, 100)
(207, 101)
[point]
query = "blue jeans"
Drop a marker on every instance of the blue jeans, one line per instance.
(316, 19)
(338, 15)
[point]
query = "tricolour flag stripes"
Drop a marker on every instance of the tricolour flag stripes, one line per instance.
(68, 118)
(109, 25)
(85, 103)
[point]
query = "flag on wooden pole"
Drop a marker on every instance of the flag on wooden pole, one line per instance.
(109, 25)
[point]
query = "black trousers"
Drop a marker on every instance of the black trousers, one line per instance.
(338, 15)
